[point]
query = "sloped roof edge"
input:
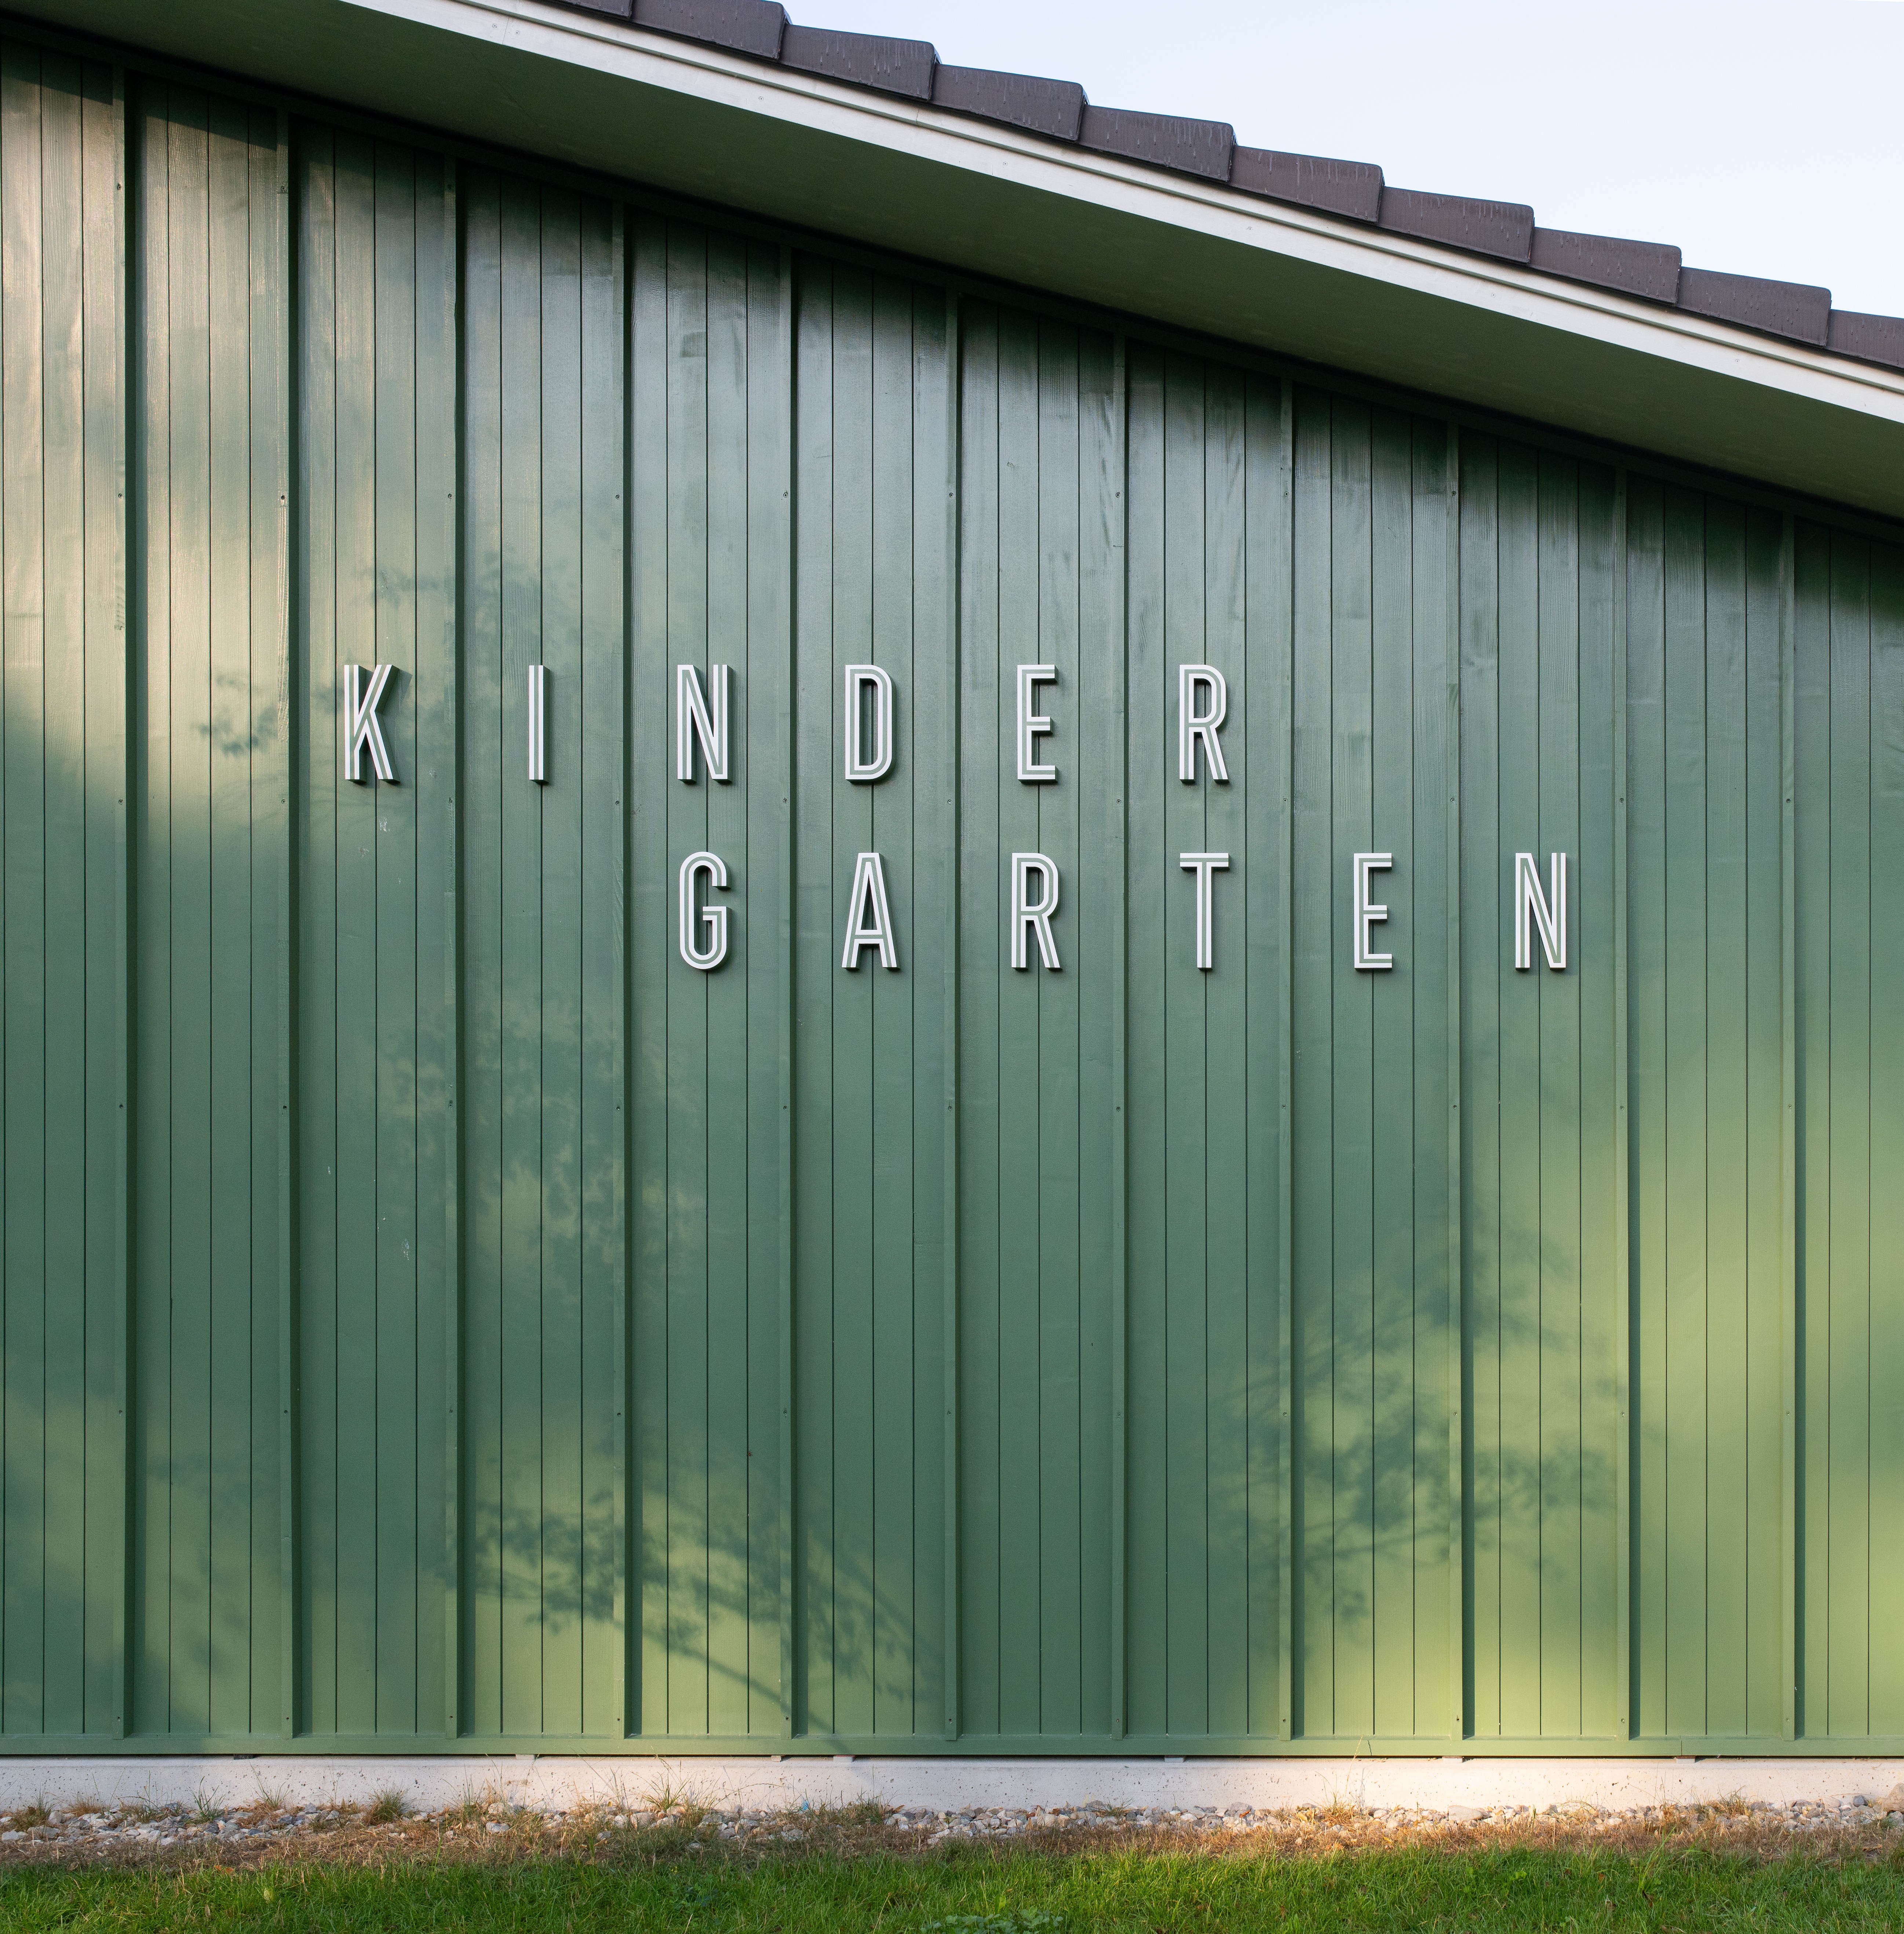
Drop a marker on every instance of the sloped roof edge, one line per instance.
(1023, 179)
(1060, 110)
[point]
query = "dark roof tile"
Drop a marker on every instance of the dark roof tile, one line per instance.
(1054, 107)
(1796, 309)
(745, 26)
(1165, 141)
(869, 60)
(616, 10)
(1353, 188)
(1503, 228)
(1649, 269)
(1872, 339)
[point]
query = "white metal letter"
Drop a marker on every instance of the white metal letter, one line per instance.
(869, 918)
(715, 918)
(1366, 914)
(1031, 724)
(1033, 915)
(863, 766)
(539, 724)
(1533, 908)
(1206, 866)
(1192, 724)
(361, 731)
(694, 719)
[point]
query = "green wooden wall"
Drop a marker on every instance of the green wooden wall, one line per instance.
(430, 1311)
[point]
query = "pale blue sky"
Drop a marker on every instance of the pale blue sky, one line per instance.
(1762, 138)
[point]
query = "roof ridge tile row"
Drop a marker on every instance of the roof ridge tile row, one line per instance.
(1354, 191)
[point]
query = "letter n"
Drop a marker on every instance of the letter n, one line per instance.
(1532, 908)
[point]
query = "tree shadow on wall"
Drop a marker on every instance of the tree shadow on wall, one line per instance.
(1372, 1530)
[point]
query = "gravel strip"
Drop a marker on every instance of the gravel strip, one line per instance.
(1866, 1825)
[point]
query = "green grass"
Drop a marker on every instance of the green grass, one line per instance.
(985, 1891)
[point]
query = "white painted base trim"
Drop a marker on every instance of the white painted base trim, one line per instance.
(553, 1782)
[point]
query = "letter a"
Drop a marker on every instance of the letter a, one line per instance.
(869, 919)
(361, 731)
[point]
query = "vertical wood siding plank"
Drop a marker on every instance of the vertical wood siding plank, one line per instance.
(895, 1045)
(120, 436)
(360, 636)
(1814, 1019)
(99, 340)
(814, 1256)
(852, 1347)
(593, 724)
(1790, 1703)
(438, 1530)
(690, 820)
(1021, 1007)
(942, 520)
(859, 1121)
(1646, 952)
(272, 1705)
(1227, 1365)
(526, 1290)
(1601, 1329)
(1056, 1703)
(983, 694)
(288, 1422)
(729, 825)
(1728, 1050)
(650, 950)
(399, 1407)
(1147, 1646)
(1352, 1281)
(69, 1452)
(1523, 1401)
(915, 1638)
(149, 574)
(229, 1340)
(1481, 930)
(1848, 1297)
(1454, 1194)
(483, 752)
(1555, 824)
(1267, 907)
(1884, 1710)
(31, 1648)
(1175, 827)
(187, 348)
(1103, 1449)
(1623, 1327)
(1399, 718)
(1422, 1624)
(1314, 950)
(313, 1700)
(555, 830)
(650, 724)
(1760, 1208)
(1687, 1280)
(778, 470)
(852, 1466)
